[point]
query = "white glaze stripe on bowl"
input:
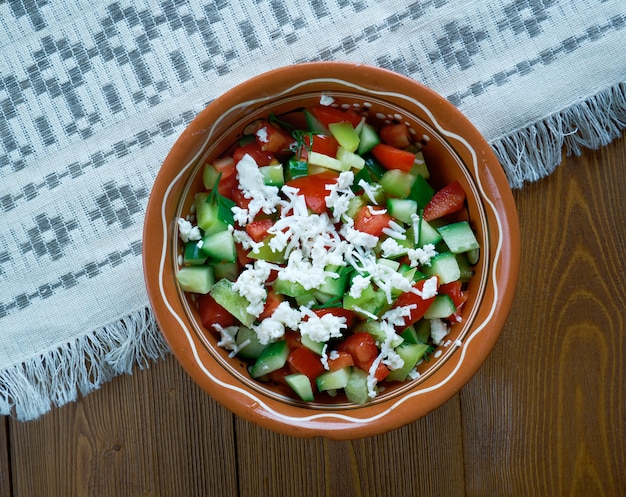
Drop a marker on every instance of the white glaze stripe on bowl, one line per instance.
(333, 415)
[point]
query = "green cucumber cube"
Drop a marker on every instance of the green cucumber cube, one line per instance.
(229, 299)
(273, 357)
(333, 380)
(459, 237)
(345, 134)
(445, 266)
(442, 307)
(301, 384)
(356, 389)
(410, 353)
(196, 279)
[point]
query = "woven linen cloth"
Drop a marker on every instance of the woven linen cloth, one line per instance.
(93, 95)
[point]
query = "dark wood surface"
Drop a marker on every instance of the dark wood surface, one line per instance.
(544, 416)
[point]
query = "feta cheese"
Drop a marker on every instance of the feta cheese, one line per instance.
(326, 100)
(187, 231)
(429, 290)
(227, 337)
(438, 330)
(262, 197)
(359, 283)
(422, 256)
(251, 285)
(321, 328)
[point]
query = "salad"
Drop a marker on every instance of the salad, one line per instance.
(320, 253)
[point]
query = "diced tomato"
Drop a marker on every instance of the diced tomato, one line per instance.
(228, 185)
(448, 200)
(340, 361)
(242, 255)
(306, 362)
(368, 222)
(361, 346)
(329, 115)
(396, 135)
(322, 144)
(293, 339)
(394, 158)
(278, 376)
(313, 188)
(225, 165)
(257, 230)
(455, 290)
(337, 311)
(381, 372)
(272, 301)
(273, 139)
(237, 196)
(410, 298)
(261, 157)
(213, 313)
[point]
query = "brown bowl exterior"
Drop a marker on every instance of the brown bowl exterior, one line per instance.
(453, 149)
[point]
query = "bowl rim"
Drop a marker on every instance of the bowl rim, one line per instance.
(414, 402)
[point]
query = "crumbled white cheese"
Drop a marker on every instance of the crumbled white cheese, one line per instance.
(391, 248)
(369, 191)
(261, 134)
(326, 100)
(321, 329)
(269, 330)
(422, 256)
(339, 195)
(227, 337)
(262, 197)
(429, 290)
(187, 231)
(251, 285)
(395, 316)
(358, 238)
(359, 283)
(438, 330)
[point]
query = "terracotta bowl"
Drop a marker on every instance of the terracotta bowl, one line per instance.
(454, 150)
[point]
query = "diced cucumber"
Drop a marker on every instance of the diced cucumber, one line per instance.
(445, 266)
(317, 159)
(297, 169)
(369, 302)
(375, 168)
(196, 279)
(427, 234)
(402, 208)
(209, 176)
(301, 384)
(420, 167)
(410, 353)
(397, 183)
(421, 191)
(391, 264)
(345, 135)
(207, 215)
(356, 389)
(459, 237)
(229, 299)
(368, 139)
(228, 270)
(467, 270)
(312, 345)
(473, 256)
(314, 124)
(193, 255)
(334, 287)
(220, 246)
(374, 328)
(333, 380)
(289, 288)
(308, 299)
(354, 205)
(350, 160)
(273, 175)
(273, 357)
(409, 335)
(442, 307)
(422, 330)
(253, 347)
(265, 253)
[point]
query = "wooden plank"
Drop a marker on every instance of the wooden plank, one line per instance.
(546, 414)
(152, 433)
(5, 466)
(423, 458)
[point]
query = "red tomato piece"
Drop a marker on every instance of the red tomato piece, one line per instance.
(293, 339)
(306, 362)
(329, 115)
(242, 255)
(448, 200)
(257, 230)
(236, 195)
(381, 372)
(225, 165)
(272, 301)
(394, 158)
(261, 157)
(396, 135)
(273, 139)
(342, 360)
(228, 185)
(368, 222)
(278, 376)
(455, 290)
(313, 188)
(213, 313)
(410, 298)
(361, 346)
(337, 311)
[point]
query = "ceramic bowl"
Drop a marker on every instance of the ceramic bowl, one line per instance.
(454, 150)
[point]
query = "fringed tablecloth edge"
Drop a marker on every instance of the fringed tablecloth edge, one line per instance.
(57, 376)
(534, 151)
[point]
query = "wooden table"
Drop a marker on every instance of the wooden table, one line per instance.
(544, 416)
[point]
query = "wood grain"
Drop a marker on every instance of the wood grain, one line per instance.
(545, 415)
